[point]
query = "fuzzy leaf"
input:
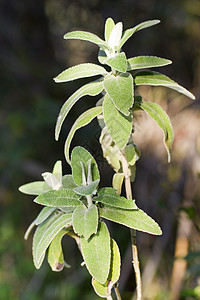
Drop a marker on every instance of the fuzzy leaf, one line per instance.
(52, 181)
(130, 154)
(84, 119)
(85, 221)
(143, 62)
(87, 36)
(44, 214)
(136, 219)
(117, 181)
(85, 190)
(57, 170)
(104, 290)
(61, 198)
(49, 234)
(80, 71)
(55, 254)
(129, 32)
(91, 89)
(115, 35)
(118, 62)
(119, 126)
(34, 188)
(97, 253)
(102, 57)
(120, 90)
(110, 197)
(158, 79)
(109, 25)
(68, 182)
(79, 154)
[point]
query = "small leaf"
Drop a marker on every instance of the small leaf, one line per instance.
(61, 198)
(55, 254)
(91, 89)
(120, 90)
(44, 214)
(118, 179)
(129, 32)
(119, 126)
(57, 170)
(102, 57)
(158, 79)
(135, 219)
(115, 35)
(52, 181)
(85, 221)
(68, 182)
(142, 62)
(80, 71)
(97, 253)
(79, 154)
(87, 36)
(109, 25)
(49, 234)
(34, 188)
(86, 190)
(130, 154)
(84, 119)
(118, 62)
(104, 290)
(109, 196)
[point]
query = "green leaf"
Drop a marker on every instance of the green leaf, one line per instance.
(135, 219)
(104, 290)
(85, 221)
(143, 62)
(79, 154)
(49, 234)
(115, 35)
(120, 90)
(109, 25)
(34, 188)
(118, 62)
(161, 118)
(110, 197)
(68, 182)
(130, 154)
(158, 79)
(119, 126)
(117, 181)
(84, 119)
(91, 89)
(87, 36)
(129, 32)
(80, 71)
(44, 214)
(97, 253)
(86, 190)
(57, 170)
(61, 198)
(55, 254)
(52, 181)
(102, 57)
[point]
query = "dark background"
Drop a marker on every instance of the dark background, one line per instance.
(32, 52)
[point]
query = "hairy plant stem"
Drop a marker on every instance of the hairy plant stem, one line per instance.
(136, 266)
(109, 298)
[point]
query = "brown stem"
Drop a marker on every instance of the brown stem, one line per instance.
(136, 266)
(117, 293)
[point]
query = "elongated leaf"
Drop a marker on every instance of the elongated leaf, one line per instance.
(120, 90)
(84, 119)
(91, 89)
(157, 79)
(109, 25)
(130, 154)
(104, 290)
(79, 154)
(80, 71)
(61, 198)
(34, 188)
(161, 118)
(57, 170)
(55, 254)
(44, 214)
(136, 219)
(129, 32)
(118, 62)
(143, 62)
(115, 35)
(117, 181)
(49, 234)
(97, 253)
(52, 181)
(119, 126)
(68, 182)
(110, 196)
(87, 36)
(85, 221)
(89, 189)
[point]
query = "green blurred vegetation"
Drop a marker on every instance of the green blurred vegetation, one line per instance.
(32, 53)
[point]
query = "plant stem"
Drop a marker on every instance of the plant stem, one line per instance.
(117, 293)
(109, 298)
(136, 266)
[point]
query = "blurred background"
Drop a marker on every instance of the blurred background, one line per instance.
(32, 52)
